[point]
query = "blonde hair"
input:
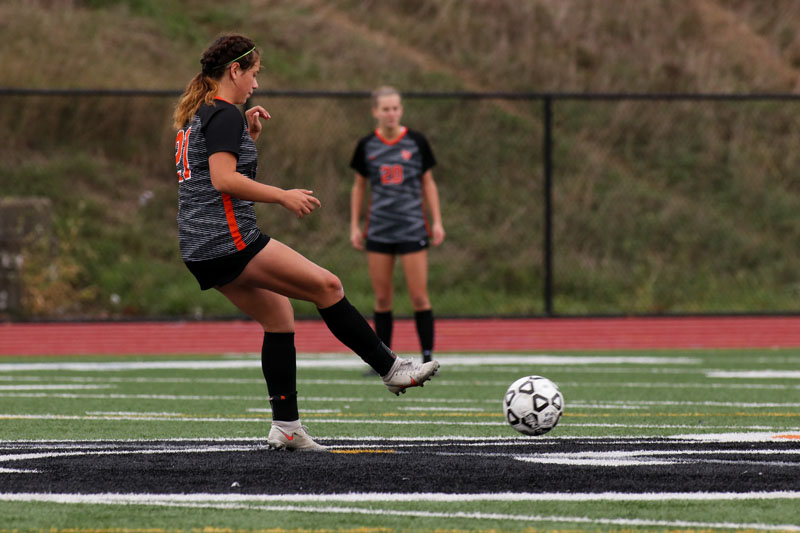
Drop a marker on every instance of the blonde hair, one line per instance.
(384, 90)
(225, 51)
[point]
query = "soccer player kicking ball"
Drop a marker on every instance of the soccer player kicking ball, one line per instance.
(216, 161)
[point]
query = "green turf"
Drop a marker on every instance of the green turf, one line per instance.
(677, 393)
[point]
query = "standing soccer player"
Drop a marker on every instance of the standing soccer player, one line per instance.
(396, 162)
(216, 161)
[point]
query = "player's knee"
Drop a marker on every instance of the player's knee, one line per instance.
(332, 286)
(420, 303)
(383, 302)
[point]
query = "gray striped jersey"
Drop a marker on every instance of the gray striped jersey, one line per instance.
(394, 170)
(213, 224)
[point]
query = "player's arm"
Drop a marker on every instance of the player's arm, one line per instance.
(430, 194)
(222, 166)
(356, 202)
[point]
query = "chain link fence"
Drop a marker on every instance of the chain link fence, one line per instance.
(553, 204)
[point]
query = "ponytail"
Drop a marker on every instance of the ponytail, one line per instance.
(201, 89)
(225, 51)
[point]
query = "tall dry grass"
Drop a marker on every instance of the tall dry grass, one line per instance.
(659, 207)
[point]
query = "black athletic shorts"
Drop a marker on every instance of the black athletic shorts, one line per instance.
(396, 248)
(221, 270)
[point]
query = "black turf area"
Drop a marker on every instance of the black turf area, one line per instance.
(397, 466)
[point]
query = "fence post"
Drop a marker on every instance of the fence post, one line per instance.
(547, 156)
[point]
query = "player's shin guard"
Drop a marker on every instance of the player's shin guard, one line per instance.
(424, 321)
(279, 365)
(384, 324)
(352, 330)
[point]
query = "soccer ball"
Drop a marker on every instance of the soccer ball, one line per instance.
(533, 405)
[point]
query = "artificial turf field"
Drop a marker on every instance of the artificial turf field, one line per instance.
(655, 440)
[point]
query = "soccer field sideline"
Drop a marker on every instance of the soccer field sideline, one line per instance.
(488, 334)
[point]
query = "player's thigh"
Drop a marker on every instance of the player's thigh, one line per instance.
(273, 311)
(281, 269)
(415, 267)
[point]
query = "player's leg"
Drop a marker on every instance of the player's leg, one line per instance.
(278, 361)
(280, 269)
(415, 267)
(381, 269)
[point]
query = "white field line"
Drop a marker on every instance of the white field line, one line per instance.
(494, 440)
(264, 419)
(564, 385)
(656, 385)
(643, 404)
(658, 371)
(116, 379)
(260, 420)
(608, 404)
(154, 451)
(641, 457)
(53, 387)
(226, 502)
(361, 382)
(346, 362)
(755, 374)
(177, 397)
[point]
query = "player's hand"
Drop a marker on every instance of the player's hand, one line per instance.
(254, 125)
(357, 239)
(438, 234)
(301, 202)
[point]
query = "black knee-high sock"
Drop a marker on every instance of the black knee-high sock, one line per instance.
(384, 323)
(424, 320)
(349, 326)
(279, 365)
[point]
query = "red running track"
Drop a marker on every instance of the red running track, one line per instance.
(452, 335)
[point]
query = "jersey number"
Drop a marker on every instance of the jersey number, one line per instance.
(391, 174)
(182, 152)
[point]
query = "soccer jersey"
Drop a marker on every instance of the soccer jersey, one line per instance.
(212, 224)
(394, 170)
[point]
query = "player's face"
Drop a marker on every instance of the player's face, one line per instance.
(388, 112)
(247, 82)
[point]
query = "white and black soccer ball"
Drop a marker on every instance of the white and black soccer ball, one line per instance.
(533, 405)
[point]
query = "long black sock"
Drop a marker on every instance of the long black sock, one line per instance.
(424, 320)
(349, 326)
(384, 323)
(279, 365)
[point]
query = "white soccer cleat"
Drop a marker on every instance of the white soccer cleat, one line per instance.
(406, 373)
(299, 439)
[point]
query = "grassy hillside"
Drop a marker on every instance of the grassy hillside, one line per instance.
(660, 207)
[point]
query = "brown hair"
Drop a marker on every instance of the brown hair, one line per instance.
(226, 50)
(384, 90)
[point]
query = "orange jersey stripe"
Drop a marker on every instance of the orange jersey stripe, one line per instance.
(232, 225)
(393, 141)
